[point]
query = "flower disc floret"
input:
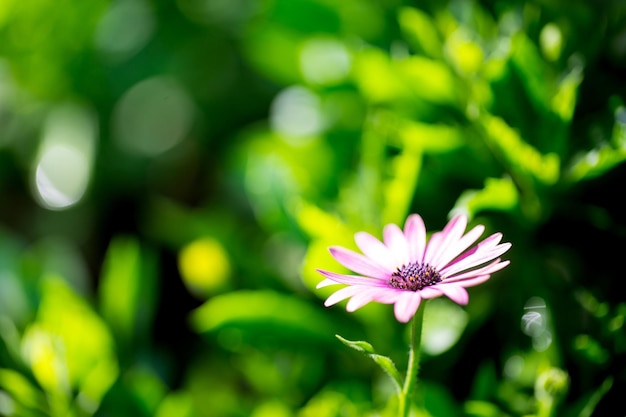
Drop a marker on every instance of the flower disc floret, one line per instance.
(414, 277)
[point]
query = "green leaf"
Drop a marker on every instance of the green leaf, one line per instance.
(522, 158)
(420, 31)
(498, 194)
(565, 98)
(22, 391)
(128, 289)
(265, 315)
(587, 405)
(595, 163)
(430, 80)
(69, 346)
(377, 77)
(482, 409)
(533, 70)
(400, 188)
(384, 362)
(432, 138)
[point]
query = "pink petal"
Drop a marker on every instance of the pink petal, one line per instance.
(432, 246)
(406, 306)
(351, 279)
(388, 295)
(469, 282)
(487, 269)
(457, 247)
(396, 242)
(456, 293)
(475, 259)
(362, 298)
(415, 233)
(448, 236)
(430, 292)
(358, 263)
(375, 250)
(485, 245)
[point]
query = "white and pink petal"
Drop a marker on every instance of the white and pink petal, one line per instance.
(415, 233)
(358, 263)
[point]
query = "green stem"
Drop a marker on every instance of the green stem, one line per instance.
(410, 380)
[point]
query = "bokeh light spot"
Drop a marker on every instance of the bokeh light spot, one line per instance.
(125, 28)
(296, 112)
(64, 163)
(324, 61)
(444, 323)
(153, 116)
(60, 176)
(551, 41)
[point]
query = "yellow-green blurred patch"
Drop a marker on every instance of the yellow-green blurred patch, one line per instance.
(519, 155)
(420, 31)
(429, 79)
(128, 289)
(69, 346)
(498, 194)
(466, 54)
(377, 77)
(204, 266)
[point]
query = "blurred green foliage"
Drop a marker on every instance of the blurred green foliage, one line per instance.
(172, 173)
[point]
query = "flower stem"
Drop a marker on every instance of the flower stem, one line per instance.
(404, 405)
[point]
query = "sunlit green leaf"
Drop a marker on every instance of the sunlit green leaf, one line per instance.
(420, 31)
(22, 390)
(591, 349)
(482, 409)
(565, 98)
(400, 188)
(498, 194)
(127, 289)
(429, 79)
(176, 404)
(596, 162)
(69, 346)
(377, 77)
(465, 54)
(146, 387)
(264, 314)
(587, 405)
(320, 224)
(330, 403)
(273, 408)
(519, 155)
(429, 137)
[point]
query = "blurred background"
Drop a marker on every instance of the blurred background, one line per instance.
(173, 171)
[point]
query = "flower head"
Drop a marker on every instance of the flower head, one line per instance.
(404, 268)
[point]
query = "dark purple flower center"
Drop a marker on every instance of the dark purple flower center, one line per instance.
(414, 277)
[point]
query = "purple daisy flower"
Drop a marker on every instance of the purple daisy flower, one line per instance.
(406, 269)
